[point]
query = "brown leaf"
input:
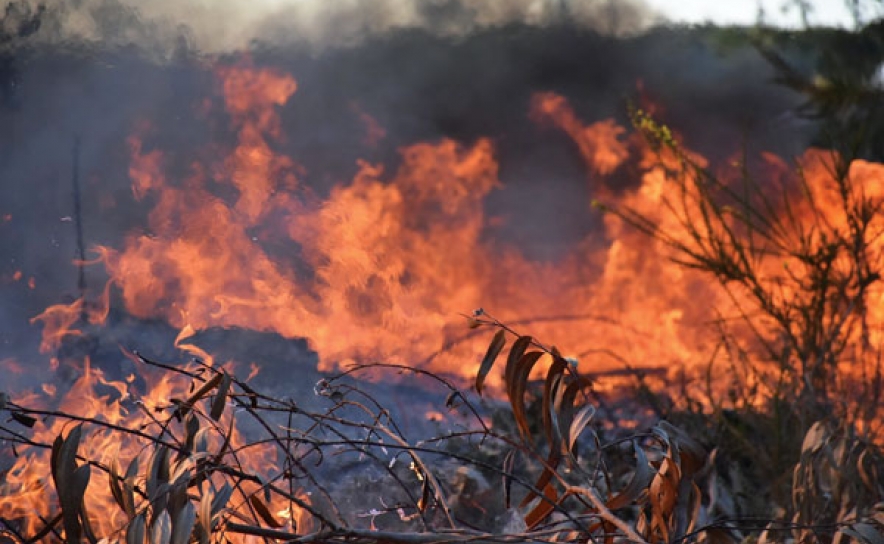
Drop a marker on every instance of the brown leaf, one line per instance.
(578, 423)
(609, 530)
(516, 386)
(205, 513)
(54, 456)
(220, 397)
(552, 462)
(200, 393)
(70, 496)
(115, 481)
(696, 503)
(70, 480)
(494, 349)
(61, 462)
(426, 495)
(27, 421)
(158, 473)
(556, 370)
(663, 495)
(176, 495)
(191, 427)
(182, 524)
(161, 531)
(136, 532)
(88, 532)
(637, 485)
(264, 512)
(129, 487)
(691, 456)
(868, 472)
(563, 407)
(222, 496)
(521, 344)
(562, 394)
(543, 508)
(815, 438)
(253, 396)
(226, 442)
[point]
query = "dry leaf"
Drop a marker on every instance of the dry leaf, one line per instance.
(263, 512)
(494, 349)
(220, 397)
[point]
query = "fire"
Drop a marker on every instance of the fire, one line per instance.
(600, 144)
(393, 257)
(127, 418)
(381, 267)
(59, 320)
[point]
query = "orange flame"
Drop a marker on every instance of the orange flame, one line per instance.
(599, 143)
(381, 268)
(394, 259)
(26, 493)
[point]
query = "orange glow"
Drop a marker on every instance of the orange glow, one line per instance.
(392, 258)
(58, 321)
(600, 143)
(25, 492)
(396, 257)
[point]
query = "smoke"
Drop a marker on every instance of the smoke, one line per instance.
(211, 26)
(372, 77)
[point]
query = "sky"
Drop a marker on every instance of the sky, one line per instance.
(824, 12)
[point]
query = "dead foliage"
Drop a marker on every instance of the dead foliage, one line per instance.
(188, 482)
(661, 490)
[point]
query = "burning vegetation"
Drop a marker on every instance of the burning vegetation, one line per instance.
(701, 363)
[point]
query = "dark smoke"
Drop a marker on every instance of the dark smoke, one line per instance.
(424, 74)
(227, 26)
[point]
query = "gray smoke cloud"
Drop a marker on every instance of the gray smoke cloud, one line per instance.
(214, 26)
(460, 69)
